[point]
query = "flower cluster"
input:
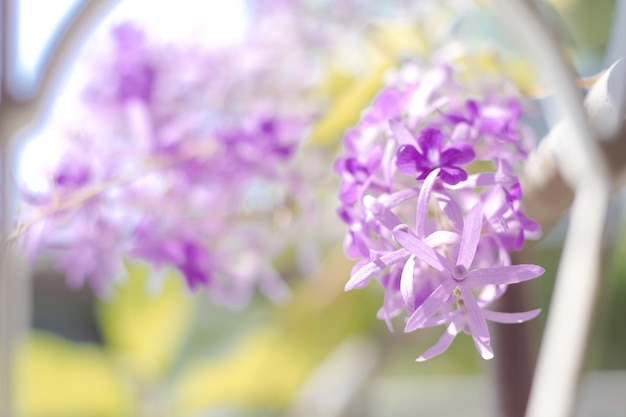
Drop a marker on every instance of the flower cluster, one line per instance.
(432, 202)
(179, 156)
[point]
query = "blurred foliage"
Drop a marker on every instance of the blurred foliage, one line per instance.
(171, 354)
(585, 24)
(143, 331)
(56, 378)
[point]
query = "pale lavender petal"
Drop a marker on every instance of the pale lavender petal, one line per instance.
(471, 236)
(484, 179)
(503, 317)
(362, 276)
(392, 200)
(406, 280)
(476, 323)
(420, 249)
(503, 275)
(430, 306)
(383, 214)
(451, 210)
(422, 203)
(442, 237)
(401, 133)
(442, 344)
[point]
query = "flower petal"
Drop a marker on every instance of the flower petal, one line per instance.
(453, 175)
(442, 237)
(420, 249)
(503, 275)
(422, 203)
(442, 344)
(477, 323)
(430, 306)
(457, 154)
(407, 158)
(503, 317)
(382, 213)
(471, 235)
(401, 133)
(430, 139)
(362, 276)
(407, 280)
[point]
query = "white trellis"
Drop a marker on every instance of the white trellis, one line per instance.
(571, 166)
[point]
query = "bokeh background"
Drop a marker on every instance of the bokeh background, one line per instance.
(323, 352)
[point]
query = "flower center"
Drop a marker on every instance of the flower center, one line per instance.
(459, 272)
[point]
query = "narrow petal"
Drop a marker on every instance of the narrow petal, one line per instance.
(477, 323)
(392, 200)
(406, 280)
(383, 214)
(401, 133)
(422, 203)
(484, 179)
(503, 275)
(442, 237)
(420, 249)
(502, 317)
(471, 235)
(361, 277)
(430, 306)
(451, 209)
(442, 344)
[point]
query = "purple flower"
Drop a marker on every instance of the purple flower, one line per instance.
(430, 154)
(440, 247)
(135, 75)
(459, 279)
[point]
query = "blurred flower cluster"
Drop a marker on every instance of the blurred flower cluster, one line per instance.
(433, 204)
(182, 156)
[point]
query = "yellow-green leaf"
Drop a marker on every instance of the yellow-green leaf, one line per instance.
(58, 378)
(268, 366)
(346, 108)
(145, 331)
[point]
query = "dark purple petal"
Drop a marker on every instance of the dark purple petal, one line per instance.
(452, 175)
(430, 139)
(457, 154)
(407, 159)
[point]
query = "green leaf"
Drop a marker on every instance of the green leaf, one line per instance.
(146, 331)
(58, 378)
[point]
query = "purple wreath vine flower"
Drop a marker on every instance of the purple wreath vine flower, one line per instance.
(181, 156)
(435, 219)
(430, 154)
